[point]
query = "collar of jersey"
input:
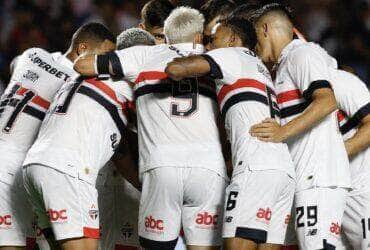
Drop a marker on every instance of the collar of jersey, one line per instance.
(187, 47)
(293, 44)
(65, 61)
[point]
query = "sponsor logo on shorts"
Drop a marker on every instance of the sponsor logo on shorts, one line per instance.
(57, 216)
(229, 219)
(312, 232)
(335, 228)
(154, 225)
(127, 231)
(206, 220)
(93, 212)
(5, 221)
(264, 214)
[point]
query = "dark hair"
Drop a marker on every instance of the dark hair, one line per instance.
(155, 12)
(282, 8)
(244, 11)
(96, 32)
(244, 29)
(214, 8)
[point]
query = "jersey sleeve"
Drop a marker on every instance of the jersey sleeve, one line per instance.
(309, 71)
(224, 64)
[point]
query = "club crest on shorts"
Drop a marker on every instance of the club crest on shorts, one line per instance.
(93, 212)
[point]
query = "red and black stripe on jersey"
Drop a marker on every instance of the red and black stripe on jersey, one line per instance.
(162, 84)
(247, 90)
(347, 123)
(106, 97)
(36, 106)
(293, 102)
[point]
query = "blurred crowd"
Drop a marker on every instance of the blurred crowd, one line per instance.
(342, 27)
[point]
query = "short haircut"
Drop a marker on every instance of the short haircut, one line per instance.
(214, 8)
(95, 32)
(183, 24)
(244, 29)
(244, 11)
(155, 12)
(132, 37)
(281, 9)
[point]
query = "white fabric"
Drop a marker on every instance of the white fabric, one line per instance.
(70, 203)
(166, 139)
(191, 197)
(237, 65)
(259, 200)
(319, 154)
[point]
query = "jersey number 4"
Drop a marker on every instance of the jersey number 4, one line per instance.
(186, 89)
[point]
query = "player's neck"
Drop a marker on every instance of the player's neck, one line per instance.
(279, 46)
(71, 55)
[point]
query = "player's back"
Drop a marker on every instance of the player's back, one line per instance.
(83, 127)
(246, 97)
(176, 120)
(33, 85)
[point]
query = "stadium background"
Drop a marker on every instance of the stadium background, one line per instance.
(340, 26)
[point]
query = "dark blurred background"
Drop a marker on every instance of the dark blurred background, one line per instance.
(340, 26)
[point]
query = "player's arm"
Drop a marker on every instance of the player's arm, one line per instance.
(361, 140)
(185, 67)
(312, 76)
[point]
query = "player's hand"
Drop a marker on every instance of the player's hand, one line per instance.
(175, 70)
(268, 130)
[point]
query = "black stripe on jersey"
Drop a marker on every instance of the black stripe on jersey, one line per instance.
(111, 108)
(116, 65)
(102, 64)
(215, 72)
(34, 112)
(320, 84)
(244, 97)
(167, 88)
(355, 120)
(293, 110)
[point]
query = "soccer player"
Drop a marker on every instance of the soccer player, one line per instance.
(308, 124)
(181, 164)
(119, 199)
(353, 99)
(153, 15)
(37, 76)
(260, 196)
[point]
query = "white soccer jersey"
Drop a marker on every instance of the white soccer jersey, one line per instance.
(176, 120)
(83, 127)
(246, 97)
(37, 77)
(353, 99)
(319, 153)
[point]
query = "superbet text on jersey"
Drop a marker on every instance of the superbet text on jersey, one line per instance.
(37, 77)
(246, 96)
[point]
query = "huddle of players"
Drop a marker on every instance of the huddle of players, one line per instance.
(177, 88)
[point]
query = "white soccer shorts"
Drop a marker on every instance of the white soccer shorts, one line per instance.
(356, 220)
(319, 213)
(175, 196)
(67, 204)
(258, 205)
(16, 217)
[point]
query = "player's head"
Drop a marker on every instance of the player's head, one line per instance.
(153, 15)
(183, 25)
(233, 32)
(274, 30)
(213, 11)
(92, 38)
(244, 11)
(134, 36)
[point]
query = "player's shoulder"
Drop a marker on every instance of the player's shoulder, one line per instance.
(351, 82)
(35, 51)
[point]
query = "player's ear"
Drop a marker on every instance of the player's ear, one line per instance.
(265, 29)
(142, 26)
(81, 48)
(232, 40)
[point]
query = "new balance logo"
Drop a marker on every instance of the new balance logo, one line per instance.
(6, 220)
(57, 216)
(206, 219)
(151, 223)
(312, 232)
(335, 228)
(264, 214)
